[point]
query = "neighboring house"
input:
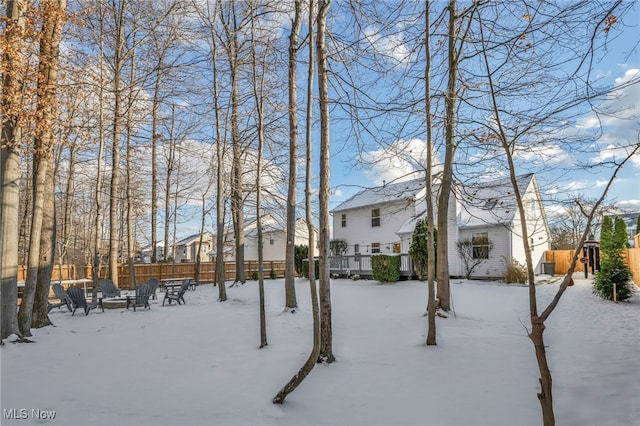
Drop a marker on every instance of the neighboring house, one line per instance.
(274, 240)
(631, 220)
(382, 220)
(144, 255)
(189, 248)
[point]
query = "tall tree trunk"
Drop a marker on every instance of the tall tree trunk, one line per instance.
(167, 191)
(98, 199)
(10, 142)
(114, 240)
(26, 194)
(447, 173)
(312, 360)
(258, 93)
(33, 259)
(63, 243)
(53, 15)
(237, 200)
(47, 256)
(431, 261)
(220, 190)
(290, 250)
(129, 156)
(326, 350)
(154, 168)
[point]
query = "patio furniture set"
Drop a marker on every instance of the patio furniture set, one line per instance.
(74, 297)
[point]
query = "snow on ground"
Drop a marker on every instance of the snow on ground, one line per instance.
(200, 363)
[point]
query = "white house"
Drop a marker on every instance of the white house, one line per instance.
(382, 220)
(274, 238)
(189, 248)
(274, 235)
(144, 255)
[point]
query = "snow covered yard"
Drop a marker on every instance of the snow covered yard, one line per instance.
(200, 364)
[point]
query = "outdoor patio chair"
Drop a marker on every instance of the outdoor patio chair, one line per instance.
(143, 292)
(58, 290)
(179, 295)
(77, 297)
(108, 289)
(153, 282)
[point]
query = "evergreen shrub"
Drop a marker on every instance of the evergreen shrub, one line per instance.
(305, 268)
(385, 268)
(613, 269)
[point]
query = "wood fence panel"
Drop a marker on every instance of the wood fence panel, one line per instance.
(60, 272)
(633, 260)
(145, 271)
(562, 259)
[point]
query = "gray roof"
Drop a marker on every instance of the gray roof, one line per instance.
(482, 204)
(490, 203)
(382, 194)
(190, 239)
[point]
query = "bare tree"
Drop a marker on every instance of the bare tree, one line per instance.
(515, 126)
(258, 93)
(289, 275)
(119, 11)
(312, 360)
(450, 149)
(231, 24)
(431, 261)
(326, 350)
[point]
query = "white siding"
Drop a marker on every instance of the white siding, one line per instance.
(494, 266)
(275, 251)
(358, 229)
(537, 230)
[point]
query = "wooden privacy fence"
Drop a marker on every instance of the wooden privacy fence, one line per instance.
(562, 259)
(60, 272)
(144, 271)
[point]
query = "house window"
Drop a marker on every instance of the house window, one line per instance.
(375, 217)
(356, 248)
(271, 240)
(344, 220)
(396, 247)
(490, 204)
(480, 242)
(375, 248)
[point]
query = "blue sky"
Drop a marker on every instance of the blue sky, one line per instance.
(621, 63)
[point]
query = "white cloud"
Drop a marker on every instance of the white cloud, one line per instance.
(542, 154)
(629, 205)
(619, 118)
(402, 160)
(614, 153)
(391, 46)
